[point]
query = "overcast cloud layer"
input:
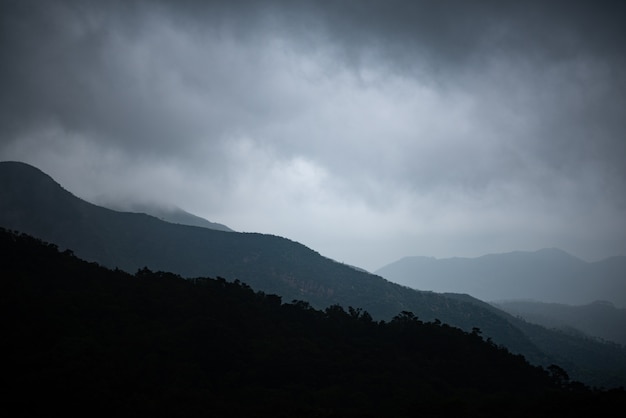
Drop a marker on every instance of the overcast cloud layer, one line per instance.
(367, 130)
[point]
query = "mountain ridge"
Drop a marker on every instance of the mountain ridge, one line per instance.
(267, 263)
(30, 173)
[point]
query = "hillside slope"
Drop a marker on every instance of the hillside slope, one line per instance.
(31, 202)
(156, 343)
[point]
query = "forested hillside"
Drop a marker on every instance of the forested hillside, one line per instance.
(154, 342)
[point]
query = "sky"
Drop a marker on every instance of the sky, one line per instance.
(366, 130)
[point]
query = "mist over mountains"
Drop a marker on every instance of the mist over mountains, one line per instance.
(174, 215)
(333, 137)
(547, 275)
(33, 203)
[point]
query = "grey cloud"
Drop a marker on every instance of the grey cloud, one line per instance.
(382, 108)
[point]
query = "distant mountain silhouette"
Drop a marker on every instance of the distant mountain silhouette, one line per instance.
(32, 202)
(598, 319)
(548, 275)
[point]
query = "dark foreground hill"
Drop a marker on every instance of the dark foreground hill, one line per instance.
(32, 202)
(75, 332)
(582, 355)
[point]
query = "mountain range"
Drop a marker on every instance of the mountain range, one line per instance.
(154, 343)
(32, 202)
(598, 319)
(548, 275)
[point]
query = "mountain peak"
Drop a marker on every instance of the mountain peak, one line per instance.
(26, 183)
(28, 174)
(18, 165)
(28, 186)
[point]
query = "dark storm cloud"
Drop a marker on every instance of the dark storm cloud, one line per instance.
(493, 119)
(68, 60)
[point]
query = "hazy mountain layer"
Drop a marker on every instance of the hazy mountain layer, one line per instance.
(581, 354)
(31, 202)
(548, 275)
(599, 319)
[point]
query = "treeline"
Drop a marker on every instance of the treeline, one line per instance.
(154, 342)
